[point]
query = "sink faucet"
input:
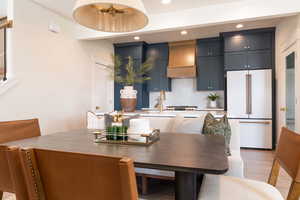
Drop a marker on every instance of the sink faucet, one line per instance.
(160, 101)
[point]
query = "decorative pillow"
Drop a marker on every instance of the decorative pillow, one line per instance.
(213, 126)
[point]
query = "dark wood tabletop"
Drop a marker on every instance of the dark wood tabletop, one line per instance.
(194, 153)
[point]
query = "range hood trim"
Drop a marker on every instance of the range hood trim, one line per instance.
(185, 69)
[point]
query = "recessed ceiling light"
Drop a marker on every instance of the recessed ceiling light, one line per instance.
(184, 32)
(166, 1)
(239, 26)
(136, 38)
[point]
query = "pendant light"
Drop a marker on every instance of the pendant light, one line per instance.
(111, 15)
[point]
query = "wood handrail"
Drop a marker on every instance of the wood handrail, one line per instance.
(7, 24)
(3, 18)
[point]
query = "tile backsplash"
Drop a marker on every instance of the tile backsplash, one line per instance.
(184, 92)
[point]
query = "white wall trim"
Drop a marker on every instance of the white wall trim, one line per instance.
(289, 44)
(6, 85)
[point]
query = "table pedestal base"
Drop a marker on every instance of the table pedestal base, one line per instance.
(186, 187)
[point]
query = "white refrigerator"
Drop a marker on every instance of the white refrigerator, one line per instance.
(249, 99)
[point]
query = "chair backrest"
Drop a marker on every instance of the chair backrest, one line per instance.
(17, 130)
(55, 175)
(12, 176)
(94, 122)
(10, 131)
(288, 153)
(287, 156)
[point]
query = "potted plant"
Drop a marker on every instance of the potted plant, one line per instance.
(128, 77)
(213, 97)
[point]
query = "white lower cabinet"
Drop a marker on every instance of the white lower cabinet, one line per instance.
(256, 133)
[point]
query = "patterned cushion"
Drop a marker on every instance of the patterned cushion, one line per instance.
(213, 126)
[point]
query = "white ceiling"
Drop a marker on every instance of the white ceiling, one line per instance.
(155, 6)
(64, 7)
(203, 18)
(196, 33)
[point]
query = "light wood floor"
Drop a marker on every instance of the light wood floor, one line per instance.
(257, 166)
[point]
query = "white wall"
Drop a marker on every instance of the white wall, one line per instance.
(54, 71)
(184, 92)
(287, 41)
(3, 8)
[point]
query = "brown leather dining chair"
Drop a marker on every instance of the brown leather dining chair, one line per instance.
(10, 131)
(55, 175)
(14, 178)
(287, 156)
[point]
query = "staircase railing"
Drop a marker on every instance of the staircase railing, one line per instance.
(5, 23)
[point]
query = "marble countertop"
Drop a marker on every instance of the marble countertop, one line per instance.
(187, 114)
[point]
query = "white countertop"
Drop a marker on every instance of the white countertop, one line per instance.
(187, 114)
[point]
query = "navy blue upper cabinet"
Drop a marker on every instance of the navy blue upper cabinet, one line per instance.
(247, 41)
(259, 41)
(159, 51)
(235, 43)
(209, 47)
(252, 49)
(210, 72)
(259, 59)
(210, 68)
(159, 80)
(137, 51)
(236, 60)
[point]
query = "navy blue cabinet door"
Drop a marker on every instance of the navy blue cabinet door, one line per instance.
(234, 43)
(210, 73)
(209, 47)
(236, 61)
(248, 41)
(259, 41)
(134, 51)
(159, 80)
(261, 59)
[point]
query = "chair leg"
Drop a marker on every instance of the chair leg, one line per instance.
(144, 185)
(294, 192)
(274, 173)
(1, 195)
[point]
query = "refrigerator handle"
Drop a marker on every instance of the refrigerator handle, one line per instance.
(250, 93)
(247, 94)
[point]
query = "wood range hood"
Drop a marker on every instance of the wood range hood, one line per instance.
(182, 59)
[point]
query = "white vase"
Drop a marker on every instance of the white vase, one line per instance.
(128, 99)
(128, 93)
(213, 104)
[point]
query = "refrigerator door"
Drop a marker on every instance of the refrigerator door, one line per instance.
(256, 133)
(260, 94)
(237, 94)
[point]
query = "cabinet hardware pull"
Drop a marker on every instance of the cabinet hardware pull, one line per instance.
(254, 122)
(283, 109)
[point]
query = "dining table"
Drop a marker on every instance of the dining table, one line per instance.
(188, 155)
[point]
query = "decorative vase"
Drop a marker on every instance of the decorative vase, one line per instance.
(128, 99)
(213, 104)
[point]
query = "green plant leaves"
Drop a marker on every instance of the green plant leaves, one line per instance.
(132, 75)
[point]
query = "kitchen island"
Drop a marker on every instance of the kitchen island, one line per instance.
(172, 113)
(166, 121)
